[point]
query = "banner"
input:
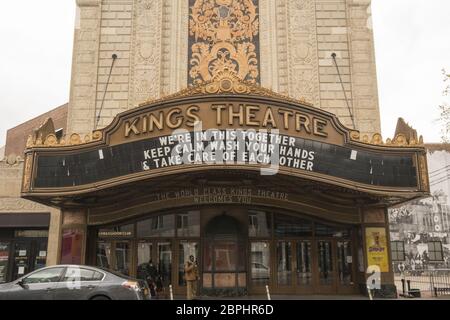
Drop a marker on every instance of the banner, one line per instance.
(377, 249)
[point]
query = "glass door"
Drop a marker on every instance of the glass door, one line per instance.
(40, 254)
(294, 266)
(185, 250)
(260, 271)
(303, 266)
(154, 264)
(224, 257)
(164, 263)
(326, 274)
(122, 261)
(104, 255)
(345, 266)
(225, 264)
(146, 269)
(284, 264)
(115, 255)
(22, 259)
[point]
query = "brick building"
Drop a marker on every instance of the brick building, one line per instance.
(25, 225)
(16, 138)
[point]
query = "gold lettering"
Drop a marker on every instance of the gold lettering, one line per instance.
(191, 114)
(286, 114)
(179, 119)
(131, 127)
(229, 115)
(250, 115)
(144, 124)
(302, 120)
(319, 127)
(219, 108)
(239, 115)
(268, 118)
(155, 121)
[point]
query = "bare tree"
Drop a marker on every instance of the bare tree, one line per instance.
(445, 109)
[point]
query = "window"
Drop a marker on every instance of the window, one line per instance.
(182, 222)
(434, 251)
(398, 250)
(59, 133)
(288, 226)
(79, 274)
(159, 226)
(98, 276)
(258, 224)
(329, 231)
(44, 276)
(188, 224)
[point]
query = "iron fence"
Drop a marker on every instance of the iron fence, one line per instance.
(430, 283)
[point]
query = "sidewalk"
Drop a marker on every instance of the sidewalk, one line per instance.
(308, 297)
(281, 297)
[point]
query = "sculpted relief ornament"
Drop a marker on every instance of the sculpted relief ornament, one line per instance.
(223, 35)
(146, 51)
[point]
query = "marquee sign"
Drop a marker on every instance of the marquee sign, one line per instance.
(165, 152)
(223, 125)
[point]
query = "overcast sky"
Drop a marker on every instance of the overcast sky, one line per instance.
(412, 43)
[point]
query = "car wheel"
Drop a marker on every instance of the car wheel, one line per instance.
(100, 298)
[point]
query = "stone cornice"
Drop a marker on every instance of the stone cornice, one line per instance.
(88, 3)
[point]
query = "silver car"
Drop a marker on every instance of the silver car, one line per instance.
(73, 282)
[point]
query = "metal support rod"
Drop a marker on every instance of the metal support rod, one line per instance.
(403, 286)
(333, 55)
(114, 57)
(268, 293)
(369, 291)
(171, 292)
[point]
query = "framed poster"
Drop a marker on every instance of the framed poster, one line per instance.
(72, 246)
(377, 249)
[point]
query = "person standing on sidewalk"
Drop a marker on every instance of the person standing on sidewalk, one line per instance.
(191, 275)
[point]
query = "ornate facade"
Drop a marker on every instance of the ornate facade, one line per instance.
(166, 46)
(295, 78)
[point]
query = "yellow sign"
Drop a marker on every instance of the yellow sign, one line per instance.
(377, 249)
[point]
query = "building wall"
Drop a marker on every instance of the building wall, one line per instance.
(16, 138)
(150, 38)
(11, 202)
(422, 221)
(11, 171)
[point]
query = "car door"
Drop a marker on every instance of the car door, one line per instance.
(39, 285)
(78, 283)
